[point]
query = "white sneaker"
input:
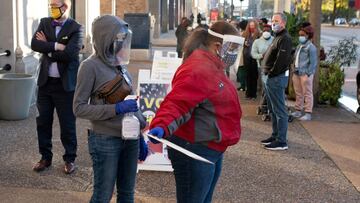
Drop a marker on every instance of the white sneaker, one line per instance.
(306, 117)
(296, 114)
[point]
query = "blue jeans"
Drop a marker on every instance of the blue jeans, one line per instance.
(275, 92)
(195, 180)
(114, 161)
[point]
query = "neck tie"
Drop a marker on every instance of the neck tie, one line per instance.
(56, 23)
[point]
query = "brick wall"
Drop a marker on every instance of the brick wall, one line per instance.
(123, 6)
(105, 7)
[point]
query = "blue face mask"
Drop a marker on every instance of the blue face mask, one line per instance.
(276, 27)
(302, 39)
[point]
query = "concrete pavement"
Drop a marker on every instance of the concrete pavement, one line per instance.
(304, 173)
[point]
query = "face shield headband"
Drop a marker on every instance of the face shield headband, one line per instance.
(122, 47)
(230, 47)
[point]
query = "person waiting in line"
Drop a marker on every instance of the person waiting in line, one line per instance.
(181, 33)
(261, 44)
(258, 51)
(276, 63)
(114, 150)
(59, 39)
(251, 33)
(241, 71)
(263, 22)
(306, 60)
(201, 113)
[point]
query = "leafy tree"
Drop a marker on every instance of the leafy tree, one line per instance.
(335, 8)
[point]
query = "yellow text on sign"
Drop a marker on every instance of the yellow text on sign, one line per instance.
(150, 102)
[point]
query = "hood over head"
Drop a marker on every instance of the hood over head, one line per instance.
(110, 35)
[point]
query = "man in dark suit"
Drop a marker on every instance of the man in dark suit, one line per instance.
(59, 39)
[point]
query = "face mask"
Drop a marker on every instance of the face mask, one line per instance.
(276, 27)
(229, 58)
(302, 39)
(56, 12)
(266, 35)
(252, 30)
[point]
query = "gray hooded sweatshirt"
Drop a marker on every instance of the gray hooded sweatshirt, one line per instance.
(95, 72)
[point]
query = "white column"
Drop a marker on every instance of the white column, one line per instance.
(86, 12)
(195, 5)
(19, 63)
(113, 7)
(7, 33)
(282, 5)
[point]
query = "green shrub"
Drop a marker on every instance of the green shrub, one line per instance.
(331, 80)
(293, 26)
(344, 53)
(331, 73)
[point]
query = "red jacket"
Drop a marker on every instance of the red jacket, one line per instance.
(203, 105)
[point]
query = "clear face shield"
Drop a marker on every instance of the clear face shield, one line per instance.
(230, 47)
(122, 47)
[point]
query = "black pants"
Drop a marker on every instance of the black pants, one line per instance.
(251, 77)
(53, 96)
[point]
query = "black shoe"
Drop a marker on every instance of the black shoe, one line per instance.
(276, 146)
(69, 167)
(267, 141)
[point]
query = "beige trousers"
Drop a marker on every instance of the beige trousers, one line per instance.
(303, 86)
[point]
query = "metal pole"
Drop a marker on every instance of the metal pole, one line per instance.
(5, 53)
(232, 9)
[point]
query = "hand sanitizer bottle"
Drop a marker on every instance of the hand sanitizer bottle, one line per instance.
(130, 127)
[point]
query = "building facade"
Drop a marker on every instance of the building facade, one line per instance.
(19, 21)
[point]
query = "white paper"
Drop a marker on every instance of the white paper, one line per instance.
(180, 149)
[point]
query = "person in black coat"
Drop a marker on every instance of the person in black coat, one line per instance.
(181, 34)
(59, 39)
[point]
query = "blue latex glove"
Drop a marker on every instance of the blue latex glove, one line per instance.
(158, 132)
(126, 106)
(143, 149)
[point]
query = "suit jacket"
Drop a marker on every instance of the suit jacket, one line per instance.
(71, 35)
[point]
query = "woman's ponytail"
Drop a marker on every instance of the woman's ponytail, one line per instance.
(194, 41)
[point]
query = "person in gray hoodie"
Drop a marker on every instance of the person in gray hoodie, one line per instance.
(114, 157)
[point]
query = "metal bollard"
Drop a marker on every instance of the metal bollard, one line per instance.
(7, 67)
(5, 53)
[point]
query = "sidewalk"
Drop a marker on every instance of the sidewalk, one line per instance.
(304, 173)
(321, 165)
(165, 40)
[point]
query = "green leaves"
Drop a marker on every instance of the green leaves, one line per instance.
(293, 26)
(344, 53)
(331, 80)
